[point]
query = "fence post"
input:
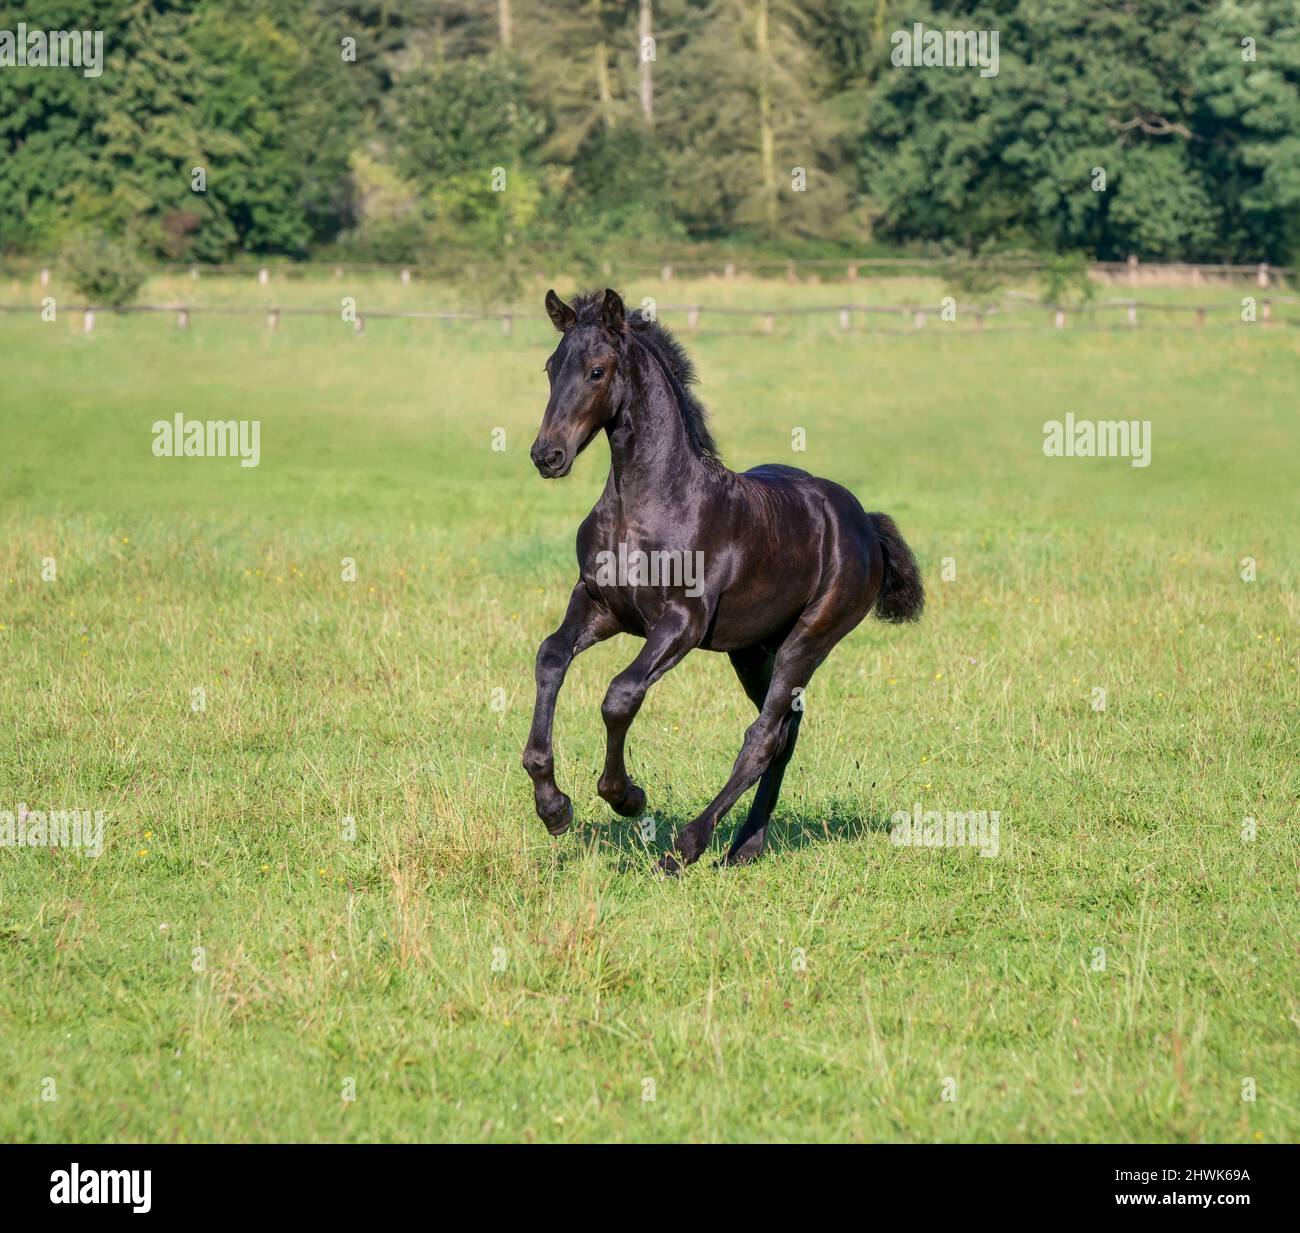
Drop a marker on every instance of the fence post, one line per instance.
(506, 323)
(844, 319)
(979, 319)
(1261, 275)
(1132, 269)
(666, 274)
(1200, 318)
(1132, 312)
(1196, 276)
(406, 277)
(45, 276)
(263, 276)
(1060, 318)
(194, 271)
(790, 275)
(919, 319)
(1266, 312)
(729, 270)
(88, 321)
(693, 317)
(359, 325)
(338, 271)
(183, 318)
(273, 319)
(769, 322)
(853, 272)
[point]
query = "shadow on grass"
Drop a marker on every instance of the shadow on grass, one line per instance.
(636, 847)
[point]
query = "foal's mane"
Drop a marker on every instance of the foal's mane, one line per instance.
(676, 364)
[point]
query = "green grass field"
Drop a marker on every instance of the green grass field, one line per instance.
(233, 966)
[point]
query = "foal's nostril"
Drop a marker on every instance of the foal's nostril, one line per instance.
(548, 459)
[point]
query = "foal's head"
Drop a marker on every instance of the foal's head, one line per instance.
(585, 384)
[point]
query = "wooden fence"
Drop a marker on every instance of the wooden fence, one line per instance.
(910, 318)
(1132, 271)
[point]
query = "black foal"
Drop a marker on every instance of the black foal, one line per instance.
(773, 566)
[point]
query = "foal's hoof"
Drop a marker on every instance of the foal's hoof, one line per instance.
(669, 865)
(633, 803)
(559, 820)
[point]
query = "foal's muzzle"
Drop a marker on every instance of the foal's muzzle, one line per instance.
(552, 461)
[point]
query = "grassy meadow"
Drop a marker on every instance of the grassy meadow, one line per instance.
(325, 910)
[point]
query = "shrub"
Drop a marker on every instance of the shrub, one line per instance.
(975, 278)
(1065, 280)
(107, 271)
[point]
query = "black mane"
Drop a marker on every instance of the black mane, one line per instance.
(677, 364)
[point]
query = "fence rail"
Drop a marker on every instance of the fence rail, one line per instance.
(1134, 271)
(1247, 310)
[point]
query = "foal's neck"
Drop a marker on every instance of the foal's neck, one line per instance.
(650, 452)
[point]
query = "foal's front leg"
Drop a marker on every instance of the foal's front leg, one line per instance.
(585, 623)
(678, 630)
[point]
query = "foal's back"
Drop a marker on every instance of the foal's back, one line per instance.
(790, 542)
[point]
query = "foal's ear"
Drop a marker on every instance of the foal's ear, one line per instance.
(561, 315)
(611, 312)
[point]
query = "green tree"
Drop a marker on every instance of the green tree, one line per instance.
(1247, 122)
(749, 146)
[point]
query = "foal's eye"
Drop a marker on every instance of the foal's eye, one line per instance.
(597, 373)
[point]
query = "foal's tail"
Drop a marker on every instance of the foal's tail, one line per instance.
(901, 595)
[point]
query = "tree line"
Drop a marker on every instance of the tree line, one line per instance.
(430, 130)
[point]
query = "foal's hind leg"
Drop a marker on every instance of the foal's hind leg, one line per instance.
(766, 738)
(678, 630)
(755, 671)
(585, 623)
(753, 666)
(751, 838)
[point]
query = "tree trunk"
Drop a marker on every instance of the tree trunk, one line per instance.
(645, 25)
(602, 85)
(766, 137)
